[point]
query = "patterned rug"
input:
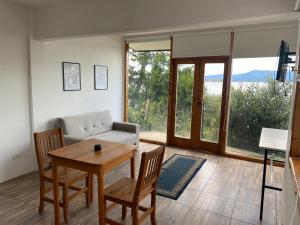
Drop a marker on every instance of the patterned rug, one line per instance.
(177, 172)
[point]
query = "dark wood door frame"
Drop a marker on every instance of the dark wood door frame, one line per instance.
(225, 100)
(195, 141)
(180, 142)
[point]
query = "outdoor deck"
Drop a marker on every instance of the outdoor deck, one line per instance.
(162, 137)
(154, 136)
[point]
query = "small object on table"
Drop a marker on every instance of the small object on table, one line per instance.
(273, 140)
(98, 147)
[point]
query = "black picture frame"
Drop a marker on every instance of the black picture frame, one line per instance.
(100, 70)
(71, 75)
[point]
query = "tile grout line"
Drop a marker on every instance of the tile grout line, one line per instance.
(236, 199)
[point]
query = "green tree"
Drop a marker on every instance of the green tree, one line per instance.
(184, 100)
(256, 106)
(148, 89)
(211, 117)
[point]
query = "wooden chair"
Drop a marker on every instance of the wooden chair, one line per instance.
(48, 141)
(129, 192)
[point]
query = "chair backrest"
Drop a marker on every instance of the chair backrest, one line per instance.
(45, 142)
(150, 168)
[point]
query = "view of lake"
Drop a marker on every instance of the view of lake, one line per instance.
(215, 88)
(213, 83)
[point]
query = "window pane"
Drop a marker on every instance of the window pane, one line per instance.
(148, 92)
(184, 100)
(211, 103)
(257, 100)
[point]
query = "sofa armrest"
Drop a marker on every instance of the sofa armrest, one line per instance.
(71, 139)
(129, 127)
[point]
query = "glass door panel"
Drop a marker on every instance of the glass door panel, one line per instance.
(197, 114)
(184, 100)
(211, 102)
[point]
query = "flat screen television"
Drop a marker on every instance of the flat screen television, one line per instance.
(284, 60)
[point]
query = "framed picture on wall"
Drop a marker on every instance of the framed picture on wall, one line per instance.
(71, 76)
(100, 77)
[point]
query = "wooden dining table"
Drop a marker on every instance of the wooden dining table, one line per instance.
(82, 156)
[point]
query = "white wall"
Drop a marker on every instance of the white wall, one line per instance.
(49, 99)
(15, 133)
(77, 17)
(18, 57)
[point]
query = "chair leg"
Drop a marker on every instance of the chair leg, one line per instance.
(42, 193)
(65, 202)
(134, 212)
(91, 187)
(87, 193)
(105, 209)
(124, 212)
(153, 204)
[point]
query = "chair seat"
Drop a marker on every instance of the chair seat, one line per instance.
(122, 189)
(66, 175)
(129, 192)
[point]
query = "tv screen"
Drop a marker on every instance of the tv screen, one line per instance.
(284, 51)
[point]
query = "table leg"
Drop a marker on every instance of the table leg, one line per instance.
(132, 167)
(91, 187)
(263, 184)
(55, 192)
(101, 205)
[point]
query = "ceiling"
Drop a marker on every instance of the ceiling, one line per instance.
(37, 3)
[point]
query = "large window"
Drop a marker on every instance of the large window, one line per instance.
(256, 101)
(148, 92)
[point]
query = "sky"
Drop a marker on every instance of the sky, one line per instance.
(244, 65)
(247, 64)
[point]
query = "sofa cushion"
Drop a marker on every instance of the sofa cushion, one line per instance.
(87, 124)
(117, 136)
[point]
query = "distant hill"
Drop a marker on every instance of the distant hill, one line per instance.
(251, 76)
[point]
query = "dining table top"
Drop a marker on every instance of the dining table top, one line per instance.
(84, 152)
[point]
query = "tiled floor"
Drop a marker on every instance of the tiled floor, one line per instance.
(224, 192)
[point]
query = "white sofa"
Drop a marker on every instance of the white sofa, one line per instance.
(98, 125)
